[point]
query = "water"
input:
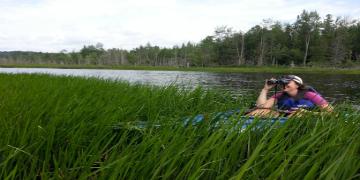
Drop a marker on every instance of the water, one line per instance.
(334, 87)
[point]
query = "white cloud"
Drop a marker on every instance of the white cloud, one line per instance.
(53, 25)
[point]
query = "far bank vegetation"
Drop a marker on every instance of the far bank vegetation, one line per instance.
(309, 41)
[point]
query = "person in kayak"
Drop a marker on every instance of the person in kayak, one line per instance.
(294, 97)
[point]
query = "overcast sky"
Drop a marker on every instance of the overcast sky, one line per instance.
(54, 25)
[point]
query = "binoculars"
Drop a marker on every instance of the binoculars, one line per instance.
(282, 81)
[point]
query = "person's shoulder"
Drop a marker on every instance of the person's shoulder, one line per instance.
(310, 89)
(311, 93)
(315, 97)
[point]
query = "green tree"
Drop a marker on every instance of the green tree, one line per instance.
(92, 53)
(278, 40)
(354, 39)
(207, 48)
(307, 24)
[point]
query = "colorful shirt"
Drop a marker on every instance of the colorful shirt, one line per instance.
(314, 97)
(308, 100)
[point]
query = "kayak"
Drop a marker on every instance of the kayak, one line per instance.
(234, 119)
(231, 118)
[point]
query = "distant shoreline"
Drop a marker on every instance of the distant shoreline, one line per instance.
(221, 69)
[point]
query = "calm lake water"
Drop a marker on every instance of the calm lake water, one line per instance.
(334, 87)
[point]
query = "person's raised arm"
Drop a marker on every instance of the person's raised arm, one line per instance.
(262, 101)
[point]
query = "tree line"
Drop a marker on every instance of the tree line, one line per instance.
(309, 41)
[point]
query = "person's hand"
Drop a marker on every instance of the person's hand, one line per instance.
(298, 112)
(268, 86)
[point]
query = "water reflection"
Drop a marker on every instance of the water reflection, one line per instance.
(335, 88)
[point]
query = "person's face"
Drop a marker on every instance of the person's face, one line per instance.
(291, 88)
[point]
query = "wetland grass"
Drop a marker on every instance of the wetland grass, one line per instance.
(63, 127)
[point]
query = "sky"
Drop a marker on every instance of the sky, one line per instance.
(55, 25)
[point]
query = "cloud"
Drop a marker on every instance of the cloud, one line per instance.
(53, 25)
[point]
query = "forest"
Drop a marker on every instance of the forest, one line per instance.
(309, 41)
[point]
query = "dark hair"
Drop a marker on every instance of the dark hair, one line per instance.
(302, 86)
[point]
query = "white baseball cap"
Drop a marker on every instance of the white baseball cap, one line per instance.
(297, 79)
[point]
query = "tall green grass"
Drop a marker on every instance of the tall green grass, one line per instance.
(77, 128)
